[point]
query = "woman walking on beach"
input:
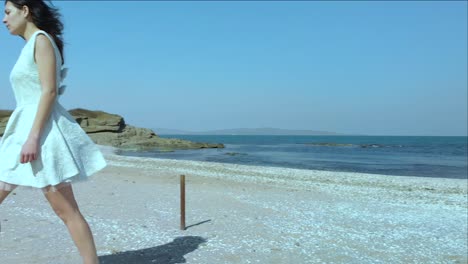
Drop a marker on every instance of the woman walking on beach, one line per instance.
(43, 147)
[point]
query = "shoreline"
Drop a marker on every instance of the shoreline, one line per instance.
(244, 214)
(290, 177)
(351, 161)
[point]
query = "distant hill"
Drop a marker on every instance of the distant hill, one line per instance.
(244, 131)
(168, 131)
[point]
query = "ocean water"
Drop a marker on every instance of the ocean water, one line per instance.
(424, 156)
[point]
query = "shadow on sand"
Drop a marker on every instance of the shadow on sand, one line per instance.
(169, 253)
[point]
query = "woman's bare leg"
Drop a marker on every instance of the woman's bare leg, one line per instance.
(5, 190)
(3, 195)
(64, 204)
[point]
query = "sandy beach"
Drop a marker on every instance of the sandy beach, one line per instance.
(243, 214)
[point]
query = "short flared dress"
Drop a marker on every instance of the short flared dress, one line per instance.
(66, 153)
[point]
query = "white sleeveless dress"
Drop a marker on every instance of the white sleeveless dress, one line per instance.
(66, 153)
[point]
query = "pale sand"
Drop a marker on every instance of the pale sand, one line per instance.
(244, 214)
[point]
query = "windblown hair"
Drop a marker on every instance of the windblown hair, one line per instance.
(45, 17)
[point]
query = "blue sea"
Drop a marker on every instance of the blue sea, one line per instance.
(423, 156)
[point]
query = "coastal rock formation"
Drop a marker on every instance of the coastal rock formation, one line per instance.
(98, 121)
(4, 116)
(110, 129)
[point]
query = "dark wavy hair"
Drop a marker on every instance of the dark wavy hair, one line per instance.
(45, 17)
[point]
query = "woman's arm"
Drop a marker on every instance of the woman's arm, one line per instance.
(44, 56)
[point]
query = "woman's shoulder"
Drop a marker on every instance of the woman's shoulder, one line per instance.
(43, 44)
(41, 34)
(42, 41)
(39, 44)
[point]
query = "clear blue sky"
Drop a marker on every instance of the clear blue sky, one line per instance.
(377, 68)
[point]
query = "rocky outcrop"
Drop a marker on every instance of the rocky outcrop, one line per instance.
(98, 121)
(4, 116)
(110, 129)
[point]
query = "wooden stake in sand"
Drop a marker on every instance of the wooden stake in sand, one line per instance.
(182, 202)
